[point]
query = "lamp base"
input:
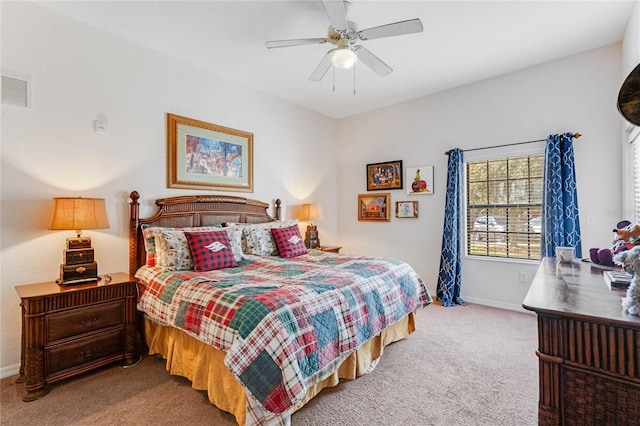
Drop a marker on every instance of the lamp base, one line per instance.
(78, 274)
(79, 264)
(311, 239)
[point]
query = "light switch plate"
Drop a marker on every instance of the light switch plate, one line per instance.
(100, 124)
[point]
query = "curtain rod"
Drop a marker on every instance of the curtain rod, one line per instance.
(575, 136)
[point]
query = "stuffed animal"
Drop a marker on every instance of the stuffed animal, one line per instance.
(627, 236)
(630, 261)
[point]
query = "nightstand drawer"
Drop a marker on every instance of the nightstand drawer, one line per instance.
(84, 320)
(84, 351)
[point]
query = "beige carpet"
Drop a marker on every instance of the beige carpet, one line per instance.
(469, 365)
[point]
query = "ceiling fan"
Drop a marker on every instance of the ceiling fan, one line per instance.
(345, 35)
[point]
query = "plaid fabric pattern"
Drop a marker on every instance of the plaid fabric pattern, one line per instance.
(149, 244)
(285, 324)
(289, 242)
(210, 250)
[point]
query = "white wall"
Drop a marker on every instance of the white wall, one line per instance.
(630, 59)
(51, 150)
(575, 94)
(631, 41)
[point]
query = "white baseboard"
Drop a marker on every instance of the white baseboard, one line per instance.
(494, 304)
(9, 371)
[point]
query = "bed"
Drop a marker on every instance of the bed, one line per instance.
(233, 303)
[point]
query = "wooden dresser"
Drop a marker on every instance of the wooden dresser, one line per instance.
(588, 348)
(73, 329)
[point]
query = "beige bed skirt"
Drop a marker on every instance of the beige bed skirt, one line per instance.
(203, 365)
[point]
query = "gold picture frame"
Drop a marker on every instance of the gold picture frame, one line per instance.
(203, 155)
(374, 207)
(406, 209)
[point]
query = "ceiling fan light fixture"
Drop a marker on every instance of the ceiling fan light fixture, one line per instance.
(343, 57)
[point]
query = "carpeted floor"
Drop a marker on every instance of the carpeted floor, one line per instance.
(468, 365)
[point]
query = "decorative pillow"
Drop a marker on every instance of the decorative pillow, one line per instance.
(258, 240)
(152, 245)
(235, 237)
(210, 250)
(172, 248)
(289, 241)
(149, 244)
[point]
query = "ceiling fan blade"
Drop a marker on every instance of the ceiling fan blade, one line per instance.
(336, 13)
(294, 42)
(397, 28)
(322, 67)
(372, 61)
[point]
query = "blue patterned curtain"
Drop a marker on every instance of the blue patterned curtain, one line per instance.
(560, 223)
(450, 274)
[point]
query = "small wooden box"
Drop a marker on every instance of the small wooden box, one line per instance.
(78, 257)
(76, 274)
(78, 243)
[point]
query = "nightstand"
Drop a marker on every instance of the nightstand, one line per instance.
(68, 330)
(330, 249)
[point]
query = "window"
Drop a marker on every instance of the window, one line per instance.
(504, 207)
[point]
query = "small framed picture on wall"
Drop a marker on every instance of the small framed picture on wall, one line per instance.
(381, 176)
(408, 209)
(420, 180)
(374, 207)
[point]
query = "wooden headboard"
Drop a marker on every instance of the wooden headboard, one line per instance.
(190, 211)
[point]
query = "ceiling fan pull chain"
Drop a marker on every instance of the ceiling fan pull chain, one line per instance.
(333, 69)
(354, 73)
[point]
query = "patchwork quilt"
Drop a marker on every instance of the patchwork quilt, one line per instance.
(282, 322)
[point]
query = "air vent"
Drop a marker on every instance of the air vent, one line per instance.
(16, 91)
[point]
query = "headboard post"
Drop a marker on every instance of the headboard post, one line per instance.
(276, 209)
(133, 232)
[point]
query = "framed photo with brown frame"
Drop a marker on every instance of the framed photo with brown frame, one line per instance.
(408, 209)
(374, 207)
(203, 155)
(381, 176)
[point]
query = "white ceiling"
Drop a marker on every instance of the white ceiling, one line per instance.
(463, 42)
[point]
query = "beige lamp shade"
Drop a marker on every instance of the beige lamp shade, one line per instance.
(79, 213)
(308, 212)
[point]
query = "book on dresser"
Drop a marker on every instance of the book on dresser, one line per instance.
(617, 279)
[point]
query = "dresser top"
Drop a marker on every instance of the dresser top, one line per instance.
(576, 289)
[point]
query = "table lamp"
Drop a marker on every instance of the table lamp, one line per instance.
(309, 212)
(78, 214)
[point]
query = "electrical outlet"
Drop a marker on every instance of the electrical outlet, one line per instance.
(522, 277)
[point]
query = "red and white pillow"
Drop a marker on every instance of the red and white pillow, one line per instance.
(289, 241)
(210, 250)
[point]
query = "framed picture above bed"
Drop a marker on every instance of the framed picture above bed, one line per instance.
(374, 207)
(203, 155)
(381, 176)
